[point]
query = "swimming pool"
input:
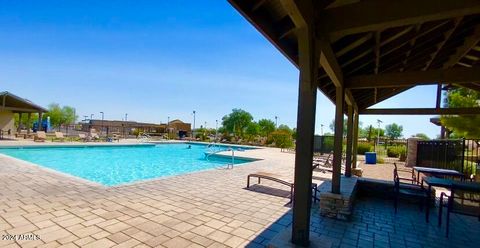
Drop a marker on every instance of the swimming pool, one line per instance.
(115, 165)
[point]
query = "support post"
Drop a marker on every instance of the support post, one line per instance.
(40, 119)
(355, 139)
(439, 96)
(307, 98)
(348, 160)
(19, 128)
(337, 148)
(29, 119)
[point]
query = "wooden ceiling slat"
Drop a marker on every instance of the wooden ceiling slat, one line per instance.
(440, 46)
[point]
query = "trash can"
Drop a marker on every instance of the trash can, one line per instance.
(370, 157)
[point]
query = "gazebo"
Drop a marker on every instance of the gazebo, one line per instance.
(359, 53)
(12, 104)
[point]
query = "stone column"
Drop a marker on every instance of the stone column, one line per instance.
(412, 152)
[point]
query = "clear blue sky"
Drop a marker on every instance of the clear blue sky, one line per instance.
(153, 59)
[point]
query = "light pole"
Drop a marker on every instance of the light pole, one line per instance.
(276, 121)
(101, 130)
(125, 126)
(85, 118)
(168, 127)
(91, 116)
(378, 133)
(321, 129)
(216, 129)
(193, 124)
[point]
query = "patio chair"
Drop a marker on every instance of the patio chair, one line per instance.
(41, 136)
(59, 136)
(325, 164)
(411, 191)
(82, 137)
(412, 180)
(277, 178)
(460, 202)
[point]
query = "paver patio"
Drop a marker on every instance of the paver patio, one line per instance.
(203, 209)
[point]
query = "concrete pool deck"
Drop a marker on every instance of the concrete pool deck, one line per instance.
(203, 209)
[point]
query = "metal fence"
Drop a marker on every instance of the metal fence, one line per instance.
(323, 144)
(462, 155)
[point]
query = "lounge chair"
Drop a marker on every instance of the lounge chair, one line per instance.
(82, 137)
(94, 135)
(277, 178)
(324, 164)
(41, 136)
(59, 136)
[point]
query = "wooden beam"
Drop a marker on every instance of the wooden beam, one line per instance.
(412, 45)
(440, 46)
(377, 51)
(354, 44)
(338, 139)
(372, 15)
(300, 11)
(459, 75)
(348, 161)
(439, 96)
(355, 138)
(468, 44)
(422, 111)
(307, 101)
(329, 63)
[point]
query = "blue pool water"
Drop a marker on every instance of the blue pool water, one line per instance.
(114, 165)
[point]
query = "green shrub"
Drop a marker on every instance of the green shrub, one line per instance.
(362, 148)
(392, 152)
(380, 160)
(396, 151)
(282, 139)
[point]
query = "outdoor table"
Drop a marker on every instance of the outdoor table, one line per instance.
(437, 172)
(448, 184)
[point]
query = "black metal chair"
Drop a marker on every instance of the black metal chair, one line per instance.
(408, 190)
(412, 180)
(460, 202)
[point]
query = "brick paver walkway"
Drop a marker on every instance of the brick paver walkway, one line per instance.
(203, 209)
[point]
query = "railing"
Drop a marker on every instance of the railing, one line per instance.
(462, 155)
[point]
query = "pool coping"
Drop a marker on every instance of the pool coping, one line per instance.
(97, 184)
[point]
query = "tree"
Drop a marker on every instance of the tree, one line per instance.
(60, 115)
(393, 131)
(284, 128)
(33, 118)
(252, 130)
(421, 136)
(463, 126)
(266, 127)
(332, 126)
(237, 121)
(371, 133)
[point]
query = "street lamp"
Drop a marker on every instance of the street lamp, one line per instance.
(91, 116)
(276, 121)
(321, 129)
(168, 127)
(101, 130)
(193, 123)
(216, 129)
(378, 133)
